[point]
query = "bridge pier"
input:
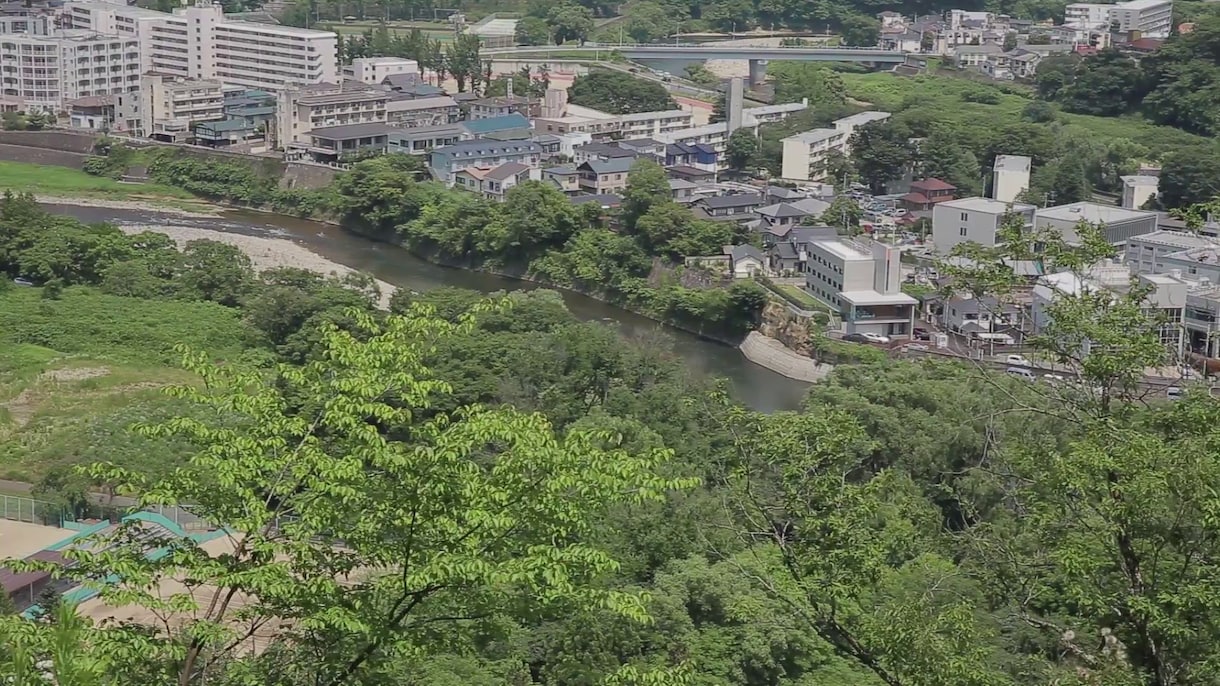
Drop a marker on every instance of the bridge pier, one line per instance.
(758, 72)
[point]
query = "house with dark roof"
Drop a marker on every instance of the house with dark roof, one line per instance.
(409, 84)
(776, 219)
(925, 193)
(698, 155)
(494, 182)
(566, 179)
(333, 143)
(645, 147)
(692, 174)
(599, 177)
(733, 207)
(745, 260)
(486, 108)
(446, 161)
(600, 151)
(790, 255)
(607, 201)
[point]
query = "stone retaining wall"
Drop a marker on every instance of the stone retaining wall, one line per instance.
(770, 353)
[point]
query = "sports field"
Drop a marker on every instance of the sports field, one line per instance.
(21, 539)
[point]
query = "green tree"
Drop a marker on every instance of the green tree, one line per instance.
(647, 22)
(1010, 41)
(797, 81)
(647, 185)
(670, 229)
(860, 31)
(445, 519)
(880, 154)
(1188, 176)
(532, 31)
(569, 21)
(463, 61)
(215, 271)
(944, 157)
(741, 150)
(619, 93)
(844, 214)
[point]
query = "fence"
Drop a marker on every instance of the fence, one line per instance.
(22, 509)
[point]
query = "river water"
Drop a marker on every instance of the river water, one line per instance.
(755, 386)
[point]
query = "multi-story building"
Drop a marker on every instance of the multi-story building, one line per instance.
(973, 220)
(446, 161)
(1150, 18)
(600, 177)
(199, 42)
(862, 280)
(170, 107)
(43, 71)
(1117, 224)
(1010, 177)
(413, 112)
(423, 139)
(1138, 189)
(301, 110)
(1086, 14)
(1157, 252)
(375, 70)
(805, 155)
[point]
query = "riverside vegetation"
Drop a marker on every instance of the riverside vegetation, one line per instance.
(474, 491)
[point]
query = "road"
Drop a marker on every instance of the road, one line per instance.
(714, 51)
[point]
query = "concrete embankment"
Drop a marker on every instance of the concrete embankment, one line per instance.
(770, 353)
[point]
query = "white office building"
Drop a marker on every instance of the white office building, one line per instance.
(41, 72)
(1010, 177)
(198, 42)
(862, 280)
(170, 107)
(1151, 18)
(374, 70)
(972, 220)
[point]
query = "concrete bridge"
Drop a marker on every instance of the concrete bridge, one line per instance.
(757, 56)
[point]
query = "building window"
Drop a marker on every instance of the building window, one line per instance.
(965, 218)
(962, 231)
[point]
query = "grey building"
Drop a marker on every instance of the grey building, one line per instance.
(1117, 224)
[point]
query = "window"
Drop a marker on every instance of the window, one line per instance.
(965, 218)
(962, 231)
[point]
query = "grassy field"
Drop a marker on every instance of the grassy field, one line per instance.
(62, 181)
(800, 296)
(76, 373)
(954, 99)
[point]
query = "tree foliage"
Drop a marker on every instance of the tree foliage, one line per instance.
(619, 93)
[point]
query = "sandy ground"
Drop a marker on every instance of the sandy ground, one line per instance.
(20, 539)
(136, 205)
(265, 253)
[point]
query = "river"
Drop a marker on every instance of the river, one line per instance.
(756, 387)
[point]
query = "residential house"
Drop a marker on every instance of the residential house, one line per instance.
(697, 155)
(1117, 224)
(447, 160)
(926, 193)
(566, 179)
(790, 255)
(339, 143)
(775, 221)
(976, 220)
(600, 151)
(599, 177)
(95, 112)
(645, 147)
(495, 182)
(375, 70)
(862, 280)
(415, 112)
(967, 315)
(682, 191)
(746, 261)
(692, 174)
(607, 201)
(225, 132)
(1017, 63)
(732, 207)
(421, 140)
(975, 56)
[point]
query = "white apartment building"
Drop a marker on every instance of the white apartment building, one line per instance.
(170, 106)
(42, 72)
(1086, 14)
(199, 42)
(805, 155)
(1138, 189)
(972, 220)
(1010, 177)
(1151, 18)
(863, 281)
(301, 110)
(374, 70)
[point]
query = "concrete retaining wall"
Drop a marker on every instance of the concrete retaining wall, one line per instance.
(55, 158)
(770, 353)
(310, 176)
(57, 139)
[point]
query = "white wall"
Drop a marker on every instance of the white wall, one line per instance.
(953, 225)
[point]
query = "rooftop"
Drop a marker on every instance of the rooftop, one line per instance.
(1012, 163)
(1174, 239)
(251, 27)
(735, 200)
(350, 131)
(617, 165)
(342, 97)
(846, 249)
(977, 204)
(930, 184)
(1092, 212)
(871, 297)
(503, 123)
(468, 149)
(416, 104)
(506, 171)
(862, 118)
(814, 136)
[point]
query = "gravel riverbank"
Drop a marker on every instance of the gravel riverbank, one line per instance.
(265, 253)
(204, 211)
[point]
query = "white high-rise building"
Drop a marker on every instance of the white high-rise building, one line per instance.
(198, 42)
(41, 72)
(1151, 18)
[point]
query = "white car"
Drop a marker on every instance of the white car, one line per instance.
(917, 346)
(1017, 360)
(1053, 379)
(876, 338)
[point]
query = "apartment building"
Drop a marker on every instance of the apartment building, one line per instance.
(1010, 177)
(198, 42)
(1151, 18)
(375, 70)
(862, 280)
(301, 110)
(414, 112)
(805, 155)
(445, 162)
(43, 71)
(972, 220)
(171, 106)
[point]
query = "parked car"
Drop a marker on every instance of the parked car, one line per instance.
(21, 281)
(916, 346)
(1017, 360)
(1173, 393)
(875, 337)
(921, 334)
(856, 338)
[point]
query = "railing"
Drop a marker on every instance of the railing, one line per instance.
(22, 509)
